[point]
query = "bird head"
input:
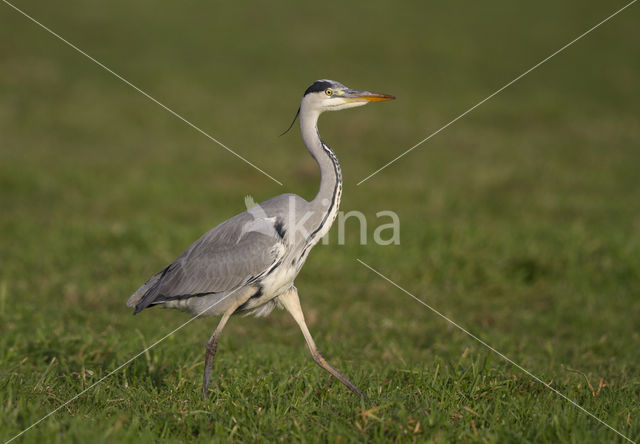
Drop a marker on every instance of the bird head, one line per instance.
(329, 95)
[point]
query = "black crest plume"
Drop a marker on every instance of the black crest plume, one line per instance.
(294, 121)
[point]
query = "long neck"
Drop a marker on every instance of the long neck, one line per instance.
(328, 197)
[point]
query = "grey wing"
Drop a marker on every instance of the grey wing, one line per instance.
(227, 257)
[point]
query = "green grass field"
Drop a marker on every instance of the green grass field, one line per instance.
(520, 222)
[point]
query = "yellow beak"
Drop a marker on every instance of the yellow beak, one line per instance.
(366, 96)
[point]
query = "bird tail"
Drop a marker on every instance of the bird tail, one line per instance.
(136, 297)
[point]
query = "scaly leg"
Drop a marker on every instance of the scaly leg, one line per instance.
(291, 302)
(212, 346)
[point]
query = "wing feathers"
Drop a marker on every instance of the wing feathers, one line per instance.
(223, 259)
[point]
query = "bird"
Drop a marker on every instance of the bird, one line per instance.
(248, 264)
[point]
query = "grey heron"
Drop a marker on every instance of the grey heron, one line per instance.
(248, 263)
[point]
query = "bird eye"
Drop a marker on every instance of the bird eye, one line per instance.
(328, 91)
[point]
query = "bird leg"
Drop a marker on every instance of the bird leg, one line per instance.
(212, 346)
(291, 302)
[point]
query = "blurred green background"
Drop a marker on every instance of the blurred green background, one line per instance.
(520, 221)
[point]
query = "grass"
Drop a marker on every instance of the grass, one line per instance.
(520, 222)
